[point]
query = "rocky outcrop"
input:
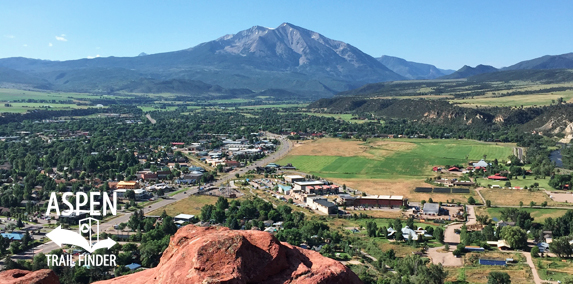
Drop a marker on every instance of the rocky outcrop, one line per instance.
(17, 276)
(219, 255)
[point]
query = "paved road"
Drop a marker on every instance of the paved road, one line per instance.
(123, 217)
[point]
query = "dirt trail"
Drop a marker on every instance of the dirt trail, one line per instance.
(150, 118)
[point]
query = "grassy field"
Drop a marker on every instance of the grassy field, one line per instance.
(12, 94)
(518, 100)
(390, 166)
(539, 214)
(190, 205)
(24, 107)
(552, 268)
(389, 158)
(512, 197)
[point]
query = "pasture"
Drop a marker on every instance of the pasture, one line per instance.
(24, 107)
(517, 100)
(10, 95)
(389, 158)
(390, 166)
(512, 197)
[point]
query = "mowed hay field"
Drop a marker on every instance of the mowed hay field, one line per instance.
(517, 100)
(388, 158)
(390, 166)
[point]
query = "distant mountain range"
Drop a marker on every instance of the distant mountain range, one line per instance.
(563, 61)
(286, 60)
(468, 71)
(287, 57)
(413, 70)
(547, 62)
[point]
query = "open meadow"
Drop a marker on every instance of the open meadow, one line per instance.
(517, 100)
(388, 158)
(512, 197)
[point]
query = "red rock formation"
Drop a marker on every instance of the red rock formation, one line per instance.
(17, 276)
(219, 255)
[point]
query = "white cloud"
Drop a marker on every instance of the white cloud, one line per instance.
(50, 44)
(9, 36)
(25, 45)
(92, 57)
(62, 37)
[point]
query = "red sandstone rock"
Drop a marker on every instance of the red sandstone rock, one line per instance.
(17, 276)
(219, 255)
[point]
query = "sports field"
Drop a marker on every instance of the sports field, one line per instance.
(389, 158)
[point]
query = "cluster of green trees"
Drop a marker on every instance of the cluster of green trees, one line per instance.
(410, 269)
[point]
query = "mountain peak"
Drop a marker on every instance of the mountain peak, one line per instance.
(468, 71)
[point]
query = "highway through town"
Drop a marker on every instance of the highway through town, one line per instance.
(122, 217)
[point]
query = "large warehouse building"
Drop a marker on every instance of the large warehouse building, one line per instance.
(380, 201)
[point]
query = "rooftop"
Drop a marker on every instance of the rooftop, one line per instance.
(431, 207)
(324, 202)
(184, 216)
(385, 197)
(309, 183)
(294, 176)
(13, 236)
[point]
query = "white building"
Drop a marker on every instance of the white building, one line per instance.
(303, 185)
(293, 178)
(184, 217)
(322, 205)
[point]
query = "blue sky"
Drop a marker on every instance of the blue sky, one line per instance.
(448, 34)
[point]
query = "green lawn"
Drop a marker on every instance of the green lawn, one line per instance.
(414, 161)
(539, 214)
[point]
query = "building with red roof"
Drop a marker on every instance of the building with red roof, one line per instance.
(498, 177)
